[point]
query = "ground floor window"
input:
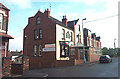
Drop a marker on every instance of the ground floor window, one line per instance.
(40, 50)
(72, 51)
(81, 54)
(64, 50)
(35, 50)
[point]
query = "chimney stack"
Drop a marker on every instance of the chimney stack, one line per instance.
(47, 12)
(64, 20)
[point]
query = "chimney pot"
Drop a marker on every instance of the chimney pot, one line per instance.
(64, 20)
(47, 12)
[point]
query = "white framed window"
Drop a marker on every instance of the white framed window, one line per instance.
(63, 33)
(35, 50)
(40, 50)
(90, 42)
(1, 21)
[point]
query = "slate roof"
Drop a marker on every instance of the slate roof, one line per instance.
(3, 7)
(72, 23)
(59, 22)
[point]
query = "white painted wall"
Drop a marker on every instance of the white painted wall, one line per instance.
(59, 37)
(77, 32)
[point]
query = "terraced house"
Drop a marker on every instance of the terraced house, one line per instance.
(49, 42)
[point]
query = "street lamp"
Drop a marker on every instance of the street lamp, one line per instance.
(83, 42)
(114, 46)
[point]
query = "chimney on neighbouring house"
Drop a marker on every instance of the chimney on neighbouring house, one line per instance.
(47, 12)
(64, 20)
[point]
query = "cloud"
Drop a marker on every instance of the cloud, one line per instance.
(107, 28)
(23, 4)
(16, 43)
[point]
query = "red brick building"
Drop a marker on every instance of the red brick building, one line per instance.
(49, 42)
(4, 37)
(94, 46)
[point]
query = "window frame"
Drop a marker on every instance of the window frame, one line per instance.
(35, 34)
(35, 50)
(63, 34)
(81, 54)
(1, 21)
(71, 36)
(38, 20)
(66, 52)
(40, 34)
(40, 50)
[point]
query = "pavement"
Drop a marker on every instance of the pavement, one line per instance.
(94, 69)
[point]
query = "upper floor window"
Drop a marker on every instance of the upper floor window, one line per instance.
(40, 34)
(79, 27)
(97, 44)
(68, 35)
(71, 36)
(63, 37)
(38, 20)
(1, 21)
(35, 34)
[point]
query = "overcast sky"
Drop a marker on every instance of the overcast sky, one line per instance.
(100, 14)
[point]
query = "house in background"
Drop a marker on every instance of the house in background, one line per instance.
(94, 46)
(4, 37)
(16, 56)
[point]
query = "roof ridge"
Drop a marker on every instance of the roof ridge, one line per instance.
(59, 22)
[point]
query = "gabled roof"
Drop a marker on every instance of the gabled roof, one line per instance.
(59, 22)
(3, 7)
(72, 23)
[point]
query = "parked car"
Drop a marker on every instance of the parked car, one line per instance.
(105, 59)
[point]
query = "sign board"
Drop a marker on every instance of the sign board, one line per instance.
(48, 49)
(50, 45)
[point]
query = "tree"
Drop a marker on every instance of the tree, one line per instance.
(105, 50)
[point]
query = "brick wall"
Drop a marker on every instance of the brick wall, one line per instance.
(16, 69)
(46, 60)
(60, 63)
(25, 64)
(94, 58)
(6, 66)
(9, 69)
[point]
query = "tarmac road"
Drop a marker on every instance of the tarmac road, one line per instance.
(95, 69)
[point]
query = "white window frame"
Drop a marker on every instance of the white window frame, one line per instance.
(35, 50)
(40, 50)
(1, 20)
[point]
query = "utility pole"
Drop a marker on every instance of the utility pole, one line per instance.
(83, 41)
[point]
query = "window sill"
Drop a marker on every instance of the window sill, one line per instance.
(37, 56)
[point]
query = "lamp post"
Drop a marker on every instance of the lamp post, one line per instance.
(114, 46)
(83, 42)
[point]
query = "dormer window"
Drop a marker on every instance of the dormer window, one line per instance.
(38, 20)
(1, 21)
